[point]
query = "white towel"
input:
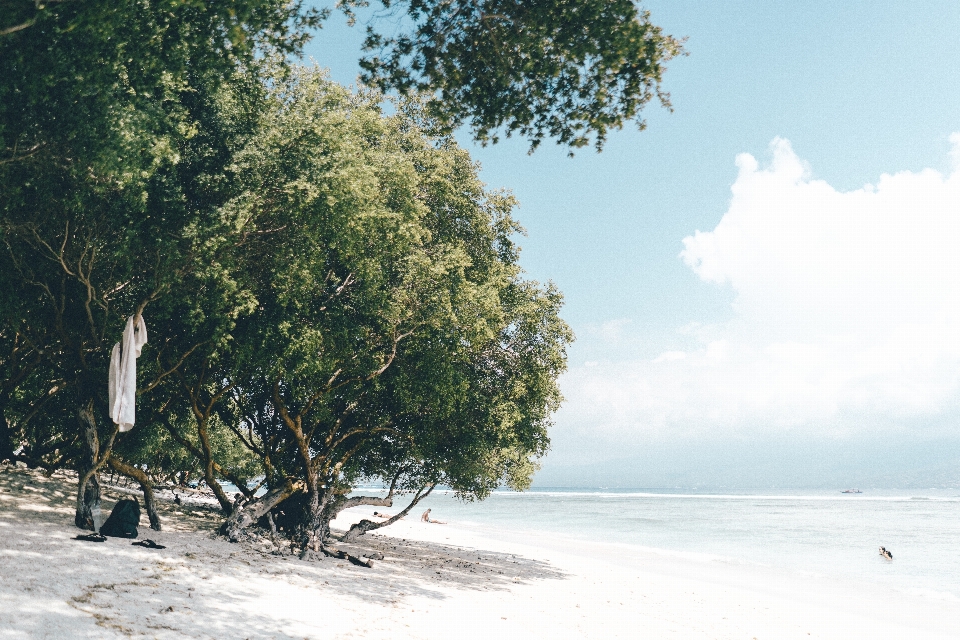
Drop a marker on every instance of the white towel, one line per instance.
(123, 373)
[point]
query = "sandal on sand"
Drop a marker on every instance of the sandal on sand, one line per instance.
(149, 544)
(91, 537)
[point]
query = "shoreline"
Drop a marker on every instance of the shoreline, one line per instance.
(436, 581)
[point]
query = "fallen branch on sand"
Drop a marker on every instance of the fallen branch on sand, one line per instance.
(330, 552)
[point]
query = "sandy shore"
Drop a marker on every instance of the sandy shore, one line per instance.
(436, 581)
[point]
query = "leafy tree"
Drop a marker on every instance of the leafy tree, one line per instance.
(568, 69)
(111, 175)
(126, 184)
(393, 336)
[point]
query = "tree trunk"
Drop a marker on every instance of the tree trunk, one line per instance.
(326, 510)
(314, 527)
(364, 526)
(88, 490)
(88, 487)
(251, 512)
(145, 485)
(208, 469)
(310, 531)
(6, 435)
(308, 516)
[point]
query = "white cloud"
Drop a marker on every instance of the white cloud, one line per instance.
(847, 313)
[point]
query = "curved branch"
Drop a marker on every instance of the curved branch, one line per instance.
(364, 526)
(145, 485)
(166, 373)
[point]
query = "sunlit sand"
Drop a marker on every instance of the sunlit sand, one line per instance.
(435, 581)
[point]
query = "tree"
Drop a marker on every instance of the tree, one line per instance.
(110, 178)
(568, 69)
(393, 336)
(120, 175)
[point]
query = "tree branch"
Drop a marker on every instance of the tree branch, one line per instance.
(145, 485)
(364, 526)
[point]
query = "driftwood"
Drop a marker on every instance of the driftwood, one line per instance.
(330, 552)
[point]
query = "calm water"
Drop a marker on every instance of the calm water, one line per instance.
(828, 534)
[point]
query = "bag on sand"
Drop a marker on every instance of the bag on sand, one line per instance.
(123, 520)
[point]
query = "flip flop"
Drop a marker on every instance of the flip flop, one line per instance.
(91, 537)
(149, 544)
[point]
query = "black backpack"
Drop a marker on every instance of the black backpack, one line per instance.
(123, 520)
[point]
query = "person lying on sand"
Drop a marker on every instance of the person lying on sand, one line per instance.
(426, 518)
(381, 515)
(886, 554)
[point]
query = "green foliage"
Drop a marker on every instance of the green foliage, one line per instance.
(111, 181)
(331, 292)
(399, 333)
(390, 333)
(567, 69)
(167, 460)
(99, 83)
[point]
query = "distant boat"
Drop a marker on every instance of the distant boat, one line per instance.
(851, 491)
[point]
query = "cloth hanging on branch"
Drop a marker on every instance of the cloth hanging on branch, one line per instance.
(123, 373)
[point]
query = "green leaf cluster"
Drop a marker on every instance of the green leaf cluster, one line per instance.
(572, 70)
(391, 333)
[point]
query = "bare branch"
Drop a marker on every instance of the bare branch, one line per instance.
(364, 526)
(168, 372)
(18, 27)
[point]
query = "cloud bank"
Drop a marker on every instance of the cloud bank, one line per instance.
(846, 316)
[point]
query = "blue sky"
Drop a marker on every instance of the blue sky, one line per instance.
(797, 324)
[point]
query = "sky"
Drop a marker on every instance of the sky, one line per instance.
(765, 283)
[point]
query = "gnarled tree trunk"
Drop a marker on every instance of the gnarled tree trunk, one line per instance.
(88, 489)
(251, 512)
(226, 505)
(307, 515)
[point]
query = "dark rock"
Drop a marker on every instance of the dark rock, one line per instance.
(123, 520)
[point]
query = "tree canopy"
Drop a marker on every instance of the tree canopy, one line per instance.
(393, 337)
(333, 294)
(347, 307)
(571, 70)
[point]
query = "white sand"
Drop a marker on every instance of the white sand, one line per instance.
(437, 581)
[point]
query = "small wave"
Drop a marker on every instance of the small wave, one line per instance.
(932, 594)
(606, 495)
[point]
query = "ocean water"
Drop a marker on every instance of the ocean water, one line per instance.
(826, 533)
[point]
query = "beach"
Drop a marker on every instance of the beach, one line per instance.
(435, 581)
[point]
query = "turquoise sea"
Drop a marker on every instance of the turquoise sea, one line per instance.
(821, 533)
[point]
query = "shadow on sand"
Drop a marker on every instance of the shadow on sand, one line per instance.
(202, 586)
